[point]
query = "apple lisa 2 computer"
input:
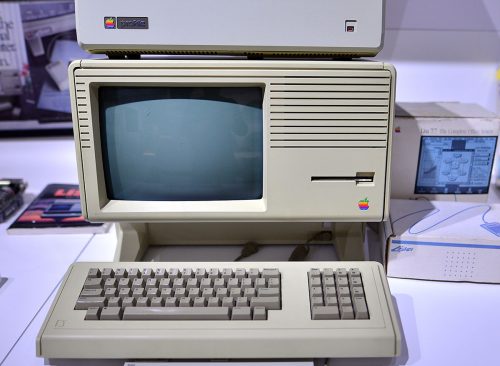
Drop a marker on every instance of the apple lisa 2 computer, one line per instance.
(227, 151)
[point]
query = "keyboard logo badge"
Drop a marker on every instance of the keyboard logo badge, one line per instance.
(60, 323)
(110, 23)
(363, 204)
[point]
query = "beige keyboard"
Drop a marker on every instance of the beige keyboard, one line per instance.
(228, 310)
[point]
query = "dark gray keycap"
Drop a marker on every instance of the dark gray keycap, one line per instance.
(165, 283)
(111, 313)
(107, 273)
(228, 302)
(200, 302)
(166, 292)
(83, 303)
(192, 283)
(317, 301)
(205, 283)
(93, 313)
(94, 273)
(219, 283)
(157, 301)
(242, 313)
(259, 283)
(273, 283)
(314, 273)
(240, 273)
(246, 283)
(343, 291)
(180, 293)
(137, 283)
(235, 292)
(148, 273)
(171, 313)
(259, 313)
(138, 292)
(178, 283)
(227, 273)
(357, 292)
(221, 293)
(171, 302)
(207, 292)
(268, 273)
(200, 273)
(185, 302)
(173, 273)
(325, 312)
(241, 302)
(331, 301)
(128, 301)
(214, 301)
(249, 292)
(91, 283)
(187, 273)
(110, 282)
(120, 273)
(142, 301)
(213, 273)
(194, 292)
(315, 291)
(346, 312)
(152, 292)
(123, 283)
(160, 273)
(95, 292)
(124, 292)
(360, 309)
(253, 273)
(270, 303)
(114, 302)
(134, 273)
(270, 292)
(314, 281)
(151, 283)
(233, 283)
(110, 292)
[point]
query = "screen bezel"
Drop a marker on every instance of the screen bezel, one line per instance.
(112, 207)
(452, 136)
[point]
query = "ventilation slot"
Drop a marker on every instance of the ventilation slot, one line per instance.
(83, 112)
(338, 111)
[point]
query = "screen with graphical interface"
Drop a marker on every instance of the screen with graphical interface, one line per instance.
(455, 165)
(182, 143)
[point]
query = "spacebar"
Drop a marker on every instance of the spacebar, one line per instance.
(154, 313)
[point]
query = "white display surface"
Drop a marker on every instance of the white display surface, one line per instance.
(443, 323)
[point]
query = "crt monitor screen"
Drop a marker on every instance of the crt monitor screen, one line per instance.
(455, 165)
(182, 143)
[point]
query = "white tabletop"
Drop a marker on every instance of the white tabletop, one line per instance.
(442, 323)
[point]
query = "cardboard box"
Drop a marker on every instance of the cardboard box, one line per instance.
(443, 151)
(441, 240)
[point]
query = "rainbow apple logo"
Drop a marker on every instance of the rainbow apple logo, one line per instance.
(363, 204)
(110, 22)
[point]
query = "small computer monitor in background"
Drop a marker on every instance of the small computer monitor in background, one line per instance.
(37, 41)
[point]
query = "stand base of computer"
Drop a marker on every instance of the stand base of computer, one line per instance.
(134, 238)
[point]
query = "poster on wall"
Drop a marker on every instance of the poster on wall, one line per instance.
(37, 42)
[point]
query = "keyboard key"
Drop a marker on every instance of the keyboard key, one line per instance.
(200, 273)
(107, 273)
(259, 313)
(273, 283)
(226, 274)
(313, 273)
(142, 302)
(325, 312)
(185, 302)
(270, 273)
(161, 273)
(114, 302)
(147, 273)
(123, 283)
(94, 273)
(187, 273)
(269, 292)
(92, 292)
(137, 283)
(242, 313)
(213, 273)
(120, 273)
(253, 274)
(341, 272)
(200, 302)
(171, 313)
(128, 301)
(134, 273)
(259, 283)
(171, 302)
(83, 303)
(270, 303)
(331, 301)
(93, 313)
(240, 273)
(358, 292)
(111, 313)
(346, 312)
(157, 302)
(110, 282)
(360, 309)
(214, 301)
(173, 273)
(110, 292)
(93, 283)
